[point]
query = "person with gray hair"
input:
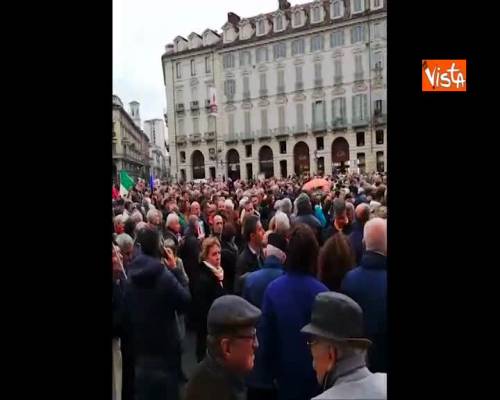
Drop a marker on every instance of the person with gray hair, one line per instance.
(367, 285)
(126, 245)
(338, 346)
(119, 224)
(173, 228)
(286, 206)
(280, 223)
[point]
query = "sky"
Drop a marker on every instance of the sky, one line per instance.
(142, 28)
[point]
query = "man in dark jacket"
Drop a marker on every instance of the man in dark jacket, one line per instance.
(229, 255)
(367, 285)
(231, 343)
(173, 228)
(340, 221)
(356, 237)
(305, 214)
(260, 385)
(153, 293)
(250, 258)
(338, 347)
(204, 227)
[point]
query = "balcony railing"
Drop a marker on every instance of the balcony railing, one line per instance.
(263, 92)
(264, 133)
(281, 131)
(179, 108)
(232, 138)
(300, 129)
(319, 126)
(280, 89)
(358, 76)
(195, 106)
(299, 86)
(247, 136)
(195, 137)
(181, 139)
(246, 96)
(379, 118)
(359, 121)
(208, 136)
(338, 123)
(318, 83)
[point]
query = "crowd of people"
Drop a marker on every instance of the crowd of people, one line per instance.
(283, 287)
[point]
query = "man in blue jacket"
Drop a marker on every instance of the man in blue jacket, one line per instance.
(259, 381)
(367, 285)
(356, 237)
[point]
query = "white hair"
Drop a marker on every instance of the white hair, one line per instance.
(244, 201)
(280, 222)
(136, 216)
(375, 235)
(120, 219)
(151, 215)
(286, 205)
(124, 241)
(171, 218)
(229, 204)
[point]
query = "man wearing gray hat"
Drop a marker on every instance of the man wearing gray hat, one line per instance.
(338, 348)
(231, 344)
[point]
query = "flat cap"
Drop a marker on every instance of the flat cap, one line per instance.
(229, 313)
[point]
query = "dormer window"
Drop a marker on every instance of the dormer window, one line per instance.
(279, 23)
(376, 4)
(261, 27)
(297, 18)
(357, 6)
(337, 10)
(316, 14)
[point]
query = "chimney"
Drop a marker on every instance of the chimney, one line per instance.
(134, 113)
(233, 18)
(283, 4)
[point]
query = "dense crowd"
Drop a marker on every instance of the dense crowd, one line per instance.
(283, 282)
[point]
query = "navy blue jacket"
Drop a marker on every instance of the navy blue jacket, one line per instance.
(253, 291)
(367, 285)
(257, 281)
(356, 239)
(285, 310)
(152, 294)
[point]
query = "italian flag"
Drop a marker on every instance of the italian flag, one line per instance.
(126, 183)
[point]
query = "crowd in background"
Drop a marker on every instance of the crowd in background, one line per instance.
(181, 252)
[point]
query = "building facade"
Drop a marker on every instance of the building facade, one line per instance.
(130, 145)
(299, 90)
(155, 130)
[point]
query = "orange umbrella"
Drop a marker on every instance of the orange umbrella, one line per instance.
(318, 183)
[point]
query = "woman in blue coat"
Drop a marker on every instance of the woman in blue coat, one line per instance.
(286, 308)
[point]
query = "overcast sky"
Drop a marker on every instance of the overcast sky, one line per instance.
(142, 28)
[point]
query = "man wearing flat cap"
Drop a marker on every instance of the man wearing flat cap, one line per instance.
(338, 348)
(231, 344)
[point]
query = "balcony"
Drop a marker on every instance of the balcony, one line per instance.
(195, 107)
(195, 137)
(181, 139)
(209, 136)
(281, 131)
(247, 137)
(179, 108)
(379, 118)
(280, 90)
(263, 92)
(358, 76)
(300, 130)
(319, 127)
(359, 121)
(339, 123)
(299, 86)
(232, 138)
(263, 134)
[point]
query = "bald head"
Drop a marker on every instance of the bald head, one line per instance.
(363, 212)
(375, 235)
